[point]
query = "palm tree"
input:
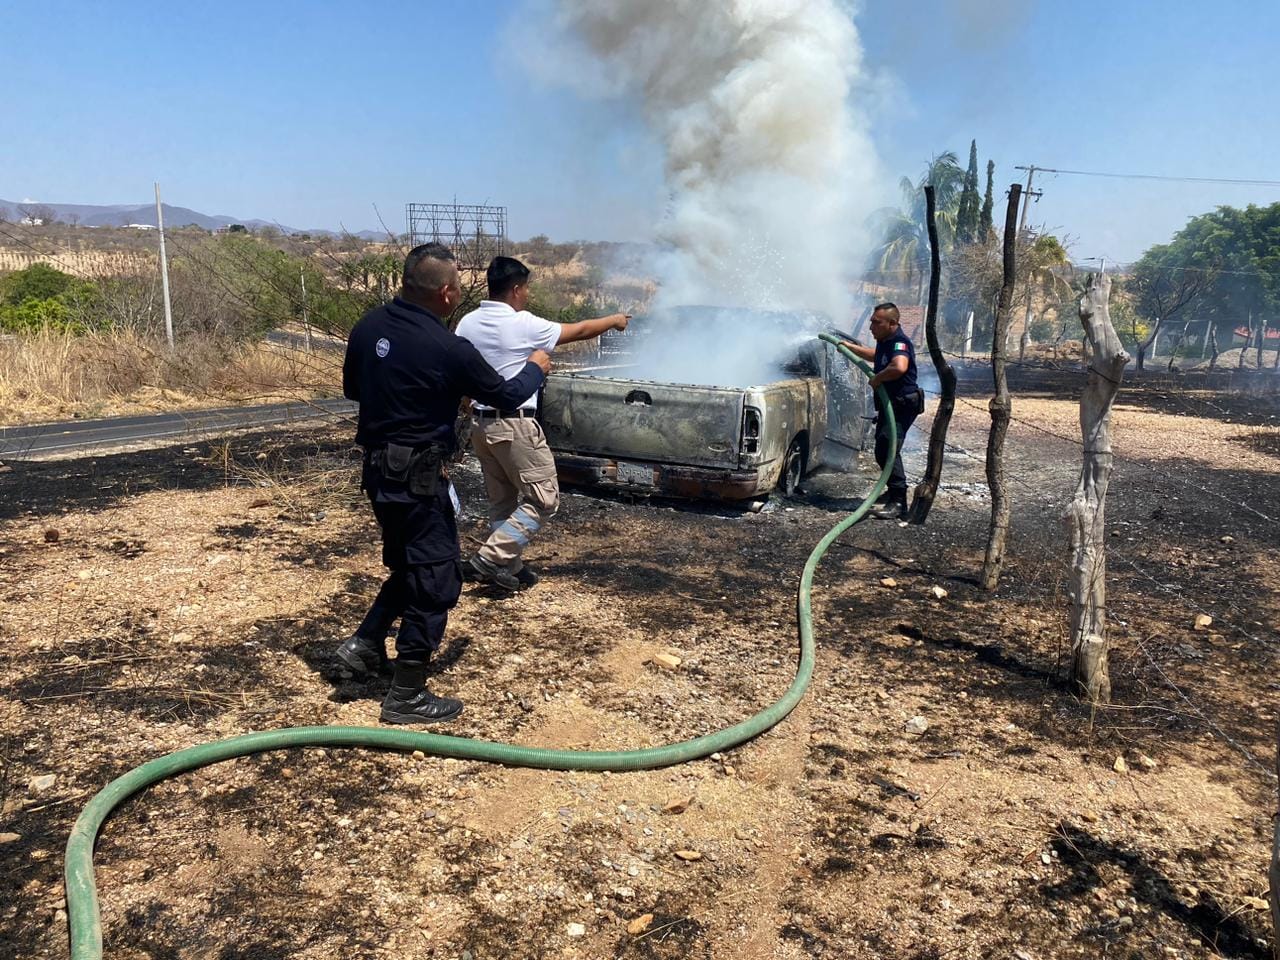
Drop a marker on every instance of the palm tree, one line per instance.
(1045, 258)
(904, 232)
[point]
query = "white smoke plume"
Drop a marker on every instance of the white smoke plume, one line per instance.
(768, 165)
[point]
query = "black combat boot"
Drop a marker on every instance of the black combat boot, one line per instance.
(895, 508)
(363, 656)
(409, 700)
(488, 572)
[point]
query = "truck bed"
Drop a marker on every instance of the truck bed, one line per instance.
(643, 420)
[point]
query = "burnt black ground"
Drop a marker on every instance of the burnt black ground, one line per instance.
(741, 570)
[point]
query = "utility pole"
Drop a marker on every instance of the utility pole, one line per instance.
(1022, 224)
(164, 273)
(1027, 194)
(306, 327)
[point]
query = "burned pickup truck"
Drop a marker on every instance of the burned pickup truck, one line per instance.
(706, 440)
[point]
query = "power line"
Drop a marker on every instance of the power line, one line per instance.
(1216, 271)
(37, 250)
(1154, 176)
(1037, 493)
(1164, 475)
(1138, 463)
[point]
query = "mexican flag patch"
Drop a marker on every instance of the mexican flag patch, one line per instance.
(899, 347)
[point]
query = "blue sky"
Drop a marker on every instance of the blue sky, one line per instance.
(313, 113)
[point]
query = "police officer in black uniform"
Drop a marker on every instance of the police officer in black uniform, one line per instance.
(894, 364)
(409, 374)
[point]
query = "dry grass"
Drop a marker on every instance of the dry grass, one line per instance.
(300, 481)
(52, 375)
(85, 264)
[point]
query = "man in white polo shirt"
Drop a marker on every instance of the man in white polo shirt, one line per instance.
(519, 470)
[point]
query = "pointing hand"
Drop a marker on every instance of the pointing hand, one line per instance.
(542, 359)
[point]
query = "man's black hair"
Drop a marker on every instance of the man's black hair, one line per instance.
(428, 267)
(504, 274)
(888, 307)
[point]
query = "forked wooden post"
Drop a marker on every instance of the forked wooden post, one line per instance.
(1001, 405)
(927, 489)
(1086, 515)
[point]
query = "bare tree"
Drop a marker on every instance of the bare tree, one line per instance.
(1086, 514)
(1001, 405)
(973, 281)
(1213, 345)
(129, 303)
(1147, 344)
(37, 213)
(927, 489)
(1175, 344)
(1164, 292)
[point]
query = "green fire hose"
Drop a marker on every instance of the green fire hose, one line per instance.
(82, 895)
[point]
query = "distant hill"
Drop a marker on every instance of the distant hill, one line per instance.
(123, 214)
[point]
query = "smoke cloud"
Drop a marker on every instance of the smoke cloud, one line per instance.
(721, 347)
(768, 164)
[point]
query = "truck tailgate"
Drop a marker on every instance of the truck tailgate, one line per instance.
(642, 420)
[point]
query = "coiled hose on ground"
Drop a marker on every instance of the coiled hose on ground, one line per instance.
(82, 895)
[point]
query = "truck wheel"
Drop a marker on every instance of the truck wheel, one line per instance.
(792, 468)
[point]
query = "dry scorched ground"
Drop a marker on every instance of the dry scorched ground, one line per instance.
(153, 601)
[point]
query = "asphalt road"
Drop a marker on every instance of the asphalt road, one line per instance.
(82, 436)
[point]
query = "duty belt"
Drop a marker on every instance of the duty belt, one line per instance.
(418, 469)
(504, 414)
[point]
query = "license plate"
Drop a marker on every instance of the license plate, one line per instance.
(635, 473)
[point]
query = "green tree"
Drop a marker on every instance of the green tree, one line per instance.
(37, 282)
(1132, 328)
(1165, 284)
(1218, 271)
(968, 212)
(987, 229)
(41, 297)
(904, 235)
(31, 316)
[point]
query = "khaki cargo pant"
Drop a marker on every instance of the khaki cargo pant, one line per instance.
(520, 479)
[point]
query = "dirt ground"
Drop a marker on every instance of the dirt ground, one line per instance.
(156, 600)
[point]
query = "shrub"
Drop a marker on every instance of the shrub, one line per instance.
(41, 297)
(37, 282)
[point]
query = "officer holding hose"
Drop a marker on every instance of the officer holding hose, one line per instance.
(894, 365)
(409, 375)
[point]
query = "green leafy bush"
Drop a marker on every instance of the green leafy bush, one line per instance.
(41, 297)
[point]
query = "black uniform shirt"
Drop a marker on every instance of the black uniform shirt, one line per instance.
(409, 374)
(897, 345)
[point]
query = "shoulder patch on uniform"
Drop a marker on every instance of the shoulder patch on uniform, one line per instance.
(900, 346)
(382, 347)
